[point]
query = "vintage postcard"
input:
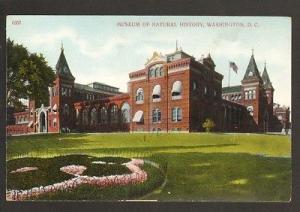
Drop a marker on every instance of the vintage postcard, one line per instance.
(148, 108)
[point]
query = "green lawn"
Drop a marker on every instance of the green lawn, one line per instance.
(226, 167)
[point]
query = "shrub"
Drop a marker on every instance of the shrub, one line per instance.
(208, 125)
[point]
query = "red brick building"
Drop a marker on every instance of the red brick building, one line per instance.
(173, 92)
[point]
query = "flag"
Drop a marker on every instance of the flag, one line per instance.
(233, 66)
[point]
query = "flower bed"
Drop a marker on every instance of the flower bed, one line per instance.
(137, 176)
(24, 169)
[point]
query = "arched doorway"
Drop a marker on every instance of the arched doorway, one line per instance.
(125, 113)
(42, 122)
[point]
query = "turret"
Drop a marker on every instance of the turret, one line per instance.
(252, 88)
(62, 108)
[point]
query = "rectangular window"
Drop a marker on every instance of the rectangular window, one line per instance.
(179, 114)
(156, 116)
(176, 114)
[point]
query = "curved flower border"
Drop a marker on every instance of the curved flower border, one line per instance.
(137, 176)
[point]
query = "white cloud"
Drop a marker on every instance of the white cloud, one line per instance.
(86, 47)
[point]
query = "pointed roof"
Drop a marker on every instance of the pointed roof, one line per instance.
(209, 61)
(252, 70)
(266, 79)
(62, 67)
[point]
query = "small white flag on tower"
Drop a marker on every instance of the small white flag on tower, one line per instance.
(233, 66)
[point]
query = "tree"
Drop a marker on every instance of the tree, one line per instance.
(36, 76)
(15, 55)
(29, 76)
(208, 125)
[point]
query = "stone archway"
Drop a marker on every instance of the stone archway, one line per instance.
(42, 122)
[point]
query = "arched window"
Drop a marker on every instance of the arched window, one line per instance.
(138, 117)
(176, 114)
(246, 95)
(94, 114)
(85, 118)
(250, 95)
(139, 95)
(250, 110)
(156, 71)
(103, 115)
(205, 90)
(161, 71)
(156, 92)
(194, 85)
(156, 116)
(125, 112)
(114, 114)
(152, 72)
(54, 122)
(77, 114)
(176, 89)
(254, 94)
(66, 110)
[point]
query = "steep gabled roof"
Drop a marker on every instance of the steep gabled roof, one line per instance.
(266, 80)
(252, 70)
(62, 67)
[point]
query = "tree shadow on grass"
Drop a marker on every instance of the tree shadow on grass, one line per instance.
(226, 177)
(146, 150)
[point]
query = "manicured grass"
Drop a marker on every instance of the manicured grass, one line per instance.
(233, 167)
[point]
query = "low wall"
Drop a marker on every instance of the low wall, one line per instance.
(18, 129)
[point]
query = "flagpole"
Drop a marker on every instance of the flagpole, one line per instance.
(229, 74)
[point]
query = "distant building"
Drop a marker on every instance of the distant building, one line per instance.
(173, 92)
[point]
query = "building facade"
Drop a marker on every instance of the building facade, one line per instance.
(173, 92)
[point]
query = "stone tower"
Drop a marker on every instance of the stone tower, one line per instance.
(269, 92)
(253, 92)
(61, 97)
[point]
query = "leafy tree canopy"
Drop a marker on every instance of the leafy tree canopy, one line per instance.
(28, 76)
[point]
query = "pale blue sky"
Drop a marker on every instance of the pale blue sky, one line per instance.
(99, 50)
